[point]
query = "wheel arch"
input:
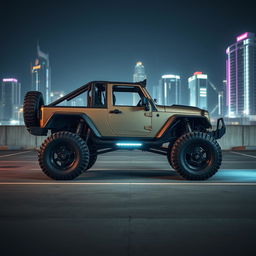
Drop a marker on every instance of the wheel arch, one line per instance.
(177, 123)
(60, 119)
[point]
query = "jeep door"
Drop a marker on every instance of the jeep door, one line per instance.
(127, 116)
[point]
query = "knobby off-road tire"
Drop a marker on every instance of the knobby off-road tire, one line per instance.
(196, 156)
(169, 151)
(64, 156)
(93, 156)
(31, 109)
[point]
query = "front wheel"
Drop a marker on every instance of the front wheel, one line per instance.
(63, 156)
(196, 156)
(93, 156)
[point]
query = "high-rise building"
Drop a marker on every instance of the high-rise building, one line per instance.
(10, 99)
(139, 72)
(221, 103)
(41, 75)
(169, 90)
(198, 84)
(222, 99)
(241, 77)
(203, 93)
(138, 76)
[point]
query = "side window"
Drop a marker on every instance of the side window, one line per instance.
(99, 96)
(126, 96)
(81, 100)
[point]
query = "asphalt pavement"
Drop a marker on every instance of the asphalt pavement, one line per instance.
(129, 203)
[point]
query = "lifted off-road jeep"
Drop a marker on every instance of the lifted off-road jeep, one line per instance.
(101, 116)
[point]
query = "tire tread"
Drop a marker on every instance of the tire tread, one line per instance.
(176, 151)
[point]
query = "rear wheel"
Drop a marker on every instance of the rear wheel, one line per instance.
(31, 109)
(196, 156)
(63, 156)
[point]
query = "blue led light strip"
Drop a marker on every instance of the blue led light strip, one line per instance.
(129, 144)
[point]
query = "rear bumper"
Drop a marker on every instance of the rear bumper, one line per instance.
(220, 130)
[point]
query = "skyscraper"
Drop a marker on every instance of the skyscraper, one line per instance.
(10, 99)
(198, 90)
(169, 92)
(222, 99)
(241, 76)
(204, 94)
(41, 75)
(138, 76)
(139, 72)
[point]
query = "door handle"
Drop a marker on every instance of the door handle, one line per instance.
(115, 111)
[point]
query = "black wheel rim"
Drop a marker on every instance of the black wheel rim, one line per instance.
(63, 156)
(198, 157)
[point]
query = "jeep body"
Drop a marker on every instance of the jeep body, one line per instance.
(114, 115)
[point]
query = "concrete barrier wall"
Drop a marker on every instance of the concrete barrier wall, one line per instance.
(17, 137)
(239, 136)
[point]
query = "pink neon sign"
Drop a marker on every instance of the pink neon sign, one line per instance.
(10, 80)
(198, 73)
(241, 37)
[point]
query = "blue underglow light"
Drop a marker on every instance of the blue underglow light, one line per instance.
(128, 144)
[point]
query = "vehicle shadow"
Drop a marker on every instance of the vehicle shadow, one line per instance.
(129, 174)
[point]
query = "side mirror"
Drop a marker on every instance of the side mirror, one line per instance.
(155, 100)
(145, 103)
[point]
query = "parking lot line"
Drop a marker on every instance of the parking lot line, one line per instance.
(136, 183)
(14, 154)
(242, 154)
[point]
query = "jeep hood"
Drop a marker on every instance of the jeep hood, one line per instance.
(181, 109)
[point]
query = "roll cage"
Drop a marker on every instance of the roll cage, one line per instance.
(90, 86)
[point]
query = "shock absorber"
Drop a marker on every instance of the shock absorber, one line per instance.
(80, 127)
(188, 126)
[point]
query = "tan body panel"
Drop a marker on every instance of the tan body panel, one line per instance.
(131, 122)
(97, 115)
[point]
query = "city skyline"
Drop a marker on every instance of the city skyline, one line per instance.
(168, 91)
(83, 47)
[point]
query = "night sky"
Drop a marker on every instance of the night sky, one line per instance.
(102, 40)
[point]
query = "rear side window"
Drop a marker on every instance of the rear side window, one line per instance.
(80, 100)
(99, 96)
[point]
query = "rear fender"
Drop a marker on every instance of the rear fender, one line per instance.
(60, 120)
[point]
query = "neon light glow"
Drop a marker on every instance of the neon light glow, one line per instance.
(242, 37)
(228, 85)
(203, 92)
(219, 104)
(139, 63)
(37, 67)
(246, 80)
(202, 76)
(14, 80)
(165, 90)
(129, 144)
(198, 73)
(170, 76)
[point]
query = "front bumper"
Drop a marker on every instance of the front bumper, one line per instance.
(220, 130)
